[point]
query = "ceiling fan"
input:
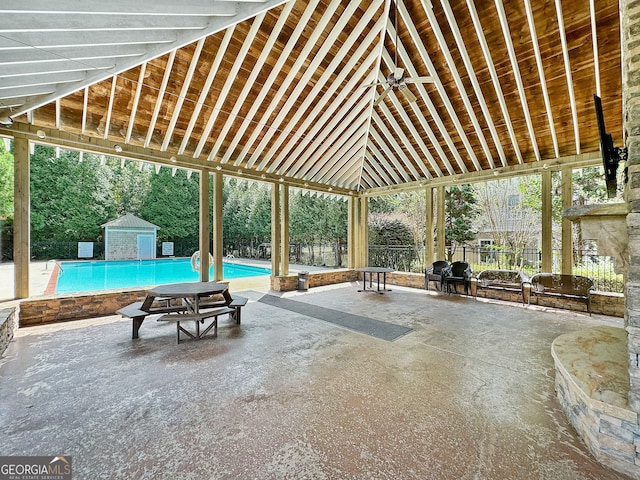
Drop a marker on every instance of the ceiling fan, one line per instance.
(396, 80)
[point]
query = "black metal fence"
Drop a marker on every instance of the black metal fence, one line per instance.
(589, 263)
(404, 258)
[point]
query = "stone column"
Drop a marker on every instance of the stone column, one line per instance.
(630, 15)
(351, 231)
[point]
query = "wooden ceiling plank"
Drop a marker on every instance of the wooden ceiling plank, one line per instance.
(462, 49)
(107, 122)
(379, 161)
(371, 165)
(301, 59)
(183, 95)
(332, 133)
(257, 67)
(52, 40)
(344, 157)
(384, 145)
(494, 77)
(594, 41)
(567, 69)
(136, 99)
(229, 83)
(543, 81)
(159, 100)
(268, 84)
(41, 79)
(324, 164)
(313, 95)
(427, 129)
(395, 124)
(433, 111)
(20, 92)
(444, 48)
(243, 11)
(504, 24)
(347, 168)
(204, 90)
(371, 174)
(124, 7)
(85, 100)
(329, 110)
(417, 137)
(14, 23)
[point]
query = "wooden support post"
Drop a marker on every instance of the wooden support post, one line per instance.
(205, 231)
(440, 239)
(547, 249)
(284, 221)
(275, 230)
(351, 232)
(21, 216)
(567, 225)
(218, 247)
(428, 239)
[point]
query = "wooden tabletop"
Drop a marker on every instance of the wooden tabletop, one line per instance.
(187, 289)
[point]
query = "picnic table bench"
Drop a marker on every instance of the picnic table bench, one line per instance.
(504, 280)
(209, 300)
(198, 318)
(574, 287)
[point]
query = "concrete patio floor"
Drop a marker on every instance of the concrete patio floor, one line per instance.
(467, 394)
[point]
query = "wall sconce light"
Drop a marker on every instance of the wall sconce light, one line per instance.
(173, 159)
(41, 135)
(240, 171)
(117, 148)
(218, 168)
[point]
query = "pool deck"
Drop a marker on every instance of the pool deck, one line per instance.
(467, 393)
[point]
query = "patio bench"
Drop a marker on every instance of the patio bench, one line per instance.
(138, 311)
(501, 280)
(198, 318)
(236, 305)
(574, 287)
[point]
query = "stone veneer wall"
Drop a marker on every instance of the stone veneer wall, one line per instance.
(630, 15)
(596, 405)
(8, 326)
(61, 308)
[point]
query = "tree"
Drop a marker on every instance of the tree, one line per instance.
(511, 214)
(172, 203)
(70, 199)
(6, 183)
(460, 212)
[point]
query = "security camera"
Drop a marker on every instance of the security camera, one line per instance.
(6, 120)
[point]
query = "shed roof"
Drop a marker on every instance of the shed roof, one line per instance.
(130, 221)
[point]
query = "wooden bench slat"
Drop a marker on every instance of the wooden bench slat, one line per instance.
(182, 317)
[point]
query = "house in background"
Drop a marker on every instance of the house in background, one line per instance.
(129, 238)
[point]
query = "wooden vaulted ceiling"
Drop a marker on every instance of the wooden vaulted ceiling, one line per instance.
(274, 89)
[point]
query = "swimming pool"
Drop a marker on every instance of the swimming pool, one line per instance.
(103, 275)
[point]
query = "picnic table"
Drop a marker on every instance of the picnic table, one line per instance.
(198, 303)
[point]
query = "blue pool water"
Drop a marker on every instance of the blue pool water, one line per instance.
(100, 275)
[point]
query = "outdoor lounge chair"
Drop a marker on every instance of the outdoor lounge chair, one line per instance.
(434, 273)
(458, 273)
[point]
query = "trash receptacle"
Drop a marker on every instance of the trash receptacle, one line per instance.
(303, 281)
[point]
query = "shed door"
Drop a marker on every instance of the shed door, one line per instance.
(146, 247)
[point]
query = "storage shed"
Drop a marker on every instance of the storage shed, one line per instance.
(129, 238)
